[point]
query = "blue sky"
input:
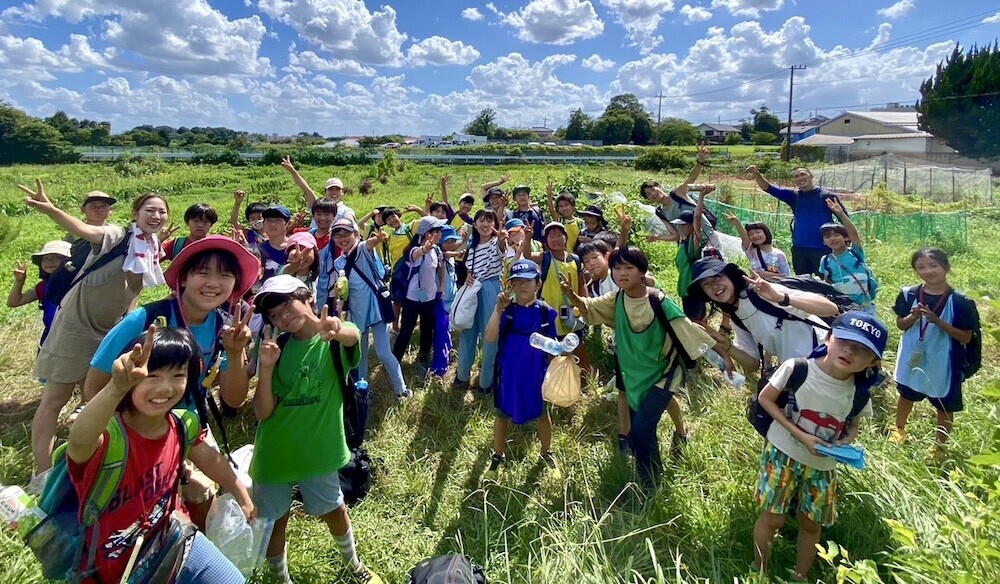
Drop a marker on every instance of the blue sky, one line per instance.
(412, 66)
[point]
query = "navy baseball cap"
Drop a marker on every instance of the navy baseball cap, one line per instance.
(277, 212)
(863, 328)
(524, 270)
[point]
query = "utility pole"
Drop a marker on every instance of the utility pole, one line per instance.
(659, 106)
(788, 129)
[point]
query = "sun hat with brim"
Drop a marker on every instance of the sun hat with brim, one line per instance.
(863, 328)
(429, 223)
(333, 182)
(93, 196)
(277, 212)
(344, 224)
(467, 197)
(593, 211)
(524, 270)
(555, 225)
(685, 218)
(249, 264)
(280, 284)
(707, 268)
(302, 239)
(491, 192)
(57, 247)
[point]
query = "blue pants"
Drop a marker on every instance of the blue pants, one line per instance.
(380, 335)
(206, 565)
(468, 343)
(642, 438)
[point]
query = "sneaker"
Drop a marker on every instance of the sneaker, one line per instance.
(550, 462)
(364, 575)
(623, 446)
(678, 442)
(422, 370)
(405, 394)
(75, 413)
(936, 455)
(897, 435)
(460, 385)
(37, 483)
(494, 471)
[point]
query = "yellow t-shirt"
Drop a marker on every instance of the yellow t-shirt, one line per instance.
(573, 226)
(399, 239)
(552, 294)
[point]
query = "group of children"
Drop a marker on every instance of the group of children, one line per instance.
(296, 305)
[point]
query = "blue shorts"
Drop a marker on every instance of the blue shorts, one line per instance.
(320, 495)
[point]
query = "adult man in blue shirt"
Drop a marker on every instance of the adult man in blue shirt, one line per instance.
(808, 203)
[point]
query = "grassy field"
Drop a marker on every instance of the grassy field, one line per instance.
(900, 520)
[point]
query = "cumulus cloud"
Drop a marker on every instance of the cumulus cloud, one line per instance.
(472, 14)
(693, 14)
(640, 19)
(308, 61)
(597, 63)
(992, 19)
(437, 50)
(344, 28)
(751, 8)
(554, 22)
(897, 10)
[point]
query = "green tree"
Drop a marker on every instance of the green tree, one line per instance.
(628, 104)
(961, 102)
(580, 126)
(734, 140)
(676, 132)
(746, 131)
(483, 123)
(24, 139)
(614, 128)
(765, 121)
(763, 138)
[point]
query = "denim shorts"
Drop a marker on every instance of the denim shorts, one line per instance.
(320, 495)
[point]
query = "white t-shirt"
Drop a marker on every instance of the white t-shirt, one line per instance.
(822, 406)
(423, 286)
(606, 285)
(793, 339)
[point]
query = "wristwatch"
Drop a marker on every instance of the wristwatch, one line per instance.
(786, 301)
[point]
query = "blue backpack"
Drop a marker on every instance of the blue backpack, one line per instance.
(58, 541)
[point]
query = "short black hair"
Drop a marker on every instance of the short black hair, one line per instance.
(274, 299)
(761, 226)
(588, 248)
(172, 347)
(324, 206)
(566, 196)
(254, 208)
(439, 205)
(225, 260)
(645, 185)
(201, 211)
(389, 212)
(629, 254)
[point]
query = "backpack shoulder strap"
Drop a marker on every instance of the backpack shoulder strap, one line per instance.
(676, 348)
(544, 308)
(861, 397)
(576, 260)
(179, 244)
(774, 310)
(800, 370)
(506, 323)
(120, 249)
(159, 312)
(190, 427)
(910, 292)
(110, 474)
(546, 263)
(661, 317)
(824, 268)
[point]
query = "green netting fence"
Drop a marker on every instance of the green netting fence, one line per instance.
(910, 228)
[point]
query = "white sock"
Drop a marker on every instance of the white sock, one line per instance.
(345, 543)
(279, 566)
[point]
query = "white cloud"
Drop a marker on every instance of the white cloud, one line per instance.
(28, 58)
(597, 63)
(992, 19)
(344, 28)
(437, 50)
(160, 99)
(897, 10)
(306, 62)
(183, 37)
(554, 22)
(693, 14)
(472, 14)
(751, 8)
(640, 18)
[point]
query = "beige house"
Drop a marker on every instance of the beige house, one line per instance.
(879, 132)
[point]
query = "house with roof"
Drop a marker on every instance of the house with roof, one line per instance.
(867, 134)
(717, 133)
(803, 129)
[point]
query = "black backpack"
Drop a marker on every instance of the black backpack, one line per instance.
(61, 282)
(447, 569)
(804, 284)
(761, 420)
(967, 358)
(356, 477)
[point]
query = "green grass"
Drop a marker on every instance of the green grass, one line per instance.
(594, 526)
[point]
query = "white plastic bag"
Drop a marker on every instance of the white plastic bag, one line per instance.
(463, 308)
(242, 457)
(654, 225)
(243, 543)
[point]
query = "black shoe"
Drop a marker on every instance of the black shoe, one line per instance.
(623, 446)
(495, 463)
(678, 442)
(460, 385)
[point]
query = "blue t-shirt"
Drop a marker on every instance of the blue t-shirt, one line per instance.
(810, 211)
(361, 299)
(532, 215)
(120, 338)
(848, 273)
(273, 259)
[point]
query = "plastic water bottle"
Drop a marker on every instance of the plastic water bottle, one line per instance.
(361, 385)
(19, 510)
(737, 380)
(570, 342)
(543, 343)
(342, 284)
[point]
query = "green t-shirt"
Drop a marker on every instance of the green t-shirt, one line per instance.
(304, 436)
(688, 252)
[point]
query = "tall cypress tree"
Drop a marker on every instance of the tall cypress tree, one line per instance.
(961, 102)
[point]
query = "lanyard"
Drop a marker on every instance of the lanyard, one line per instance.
(864, 289)
(925, 322)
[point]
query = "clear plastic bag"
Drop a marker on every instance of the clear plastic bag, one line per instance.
(243, 543)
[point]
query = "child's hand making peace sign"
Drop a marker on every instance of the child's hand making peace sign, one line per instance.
(130, 369)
